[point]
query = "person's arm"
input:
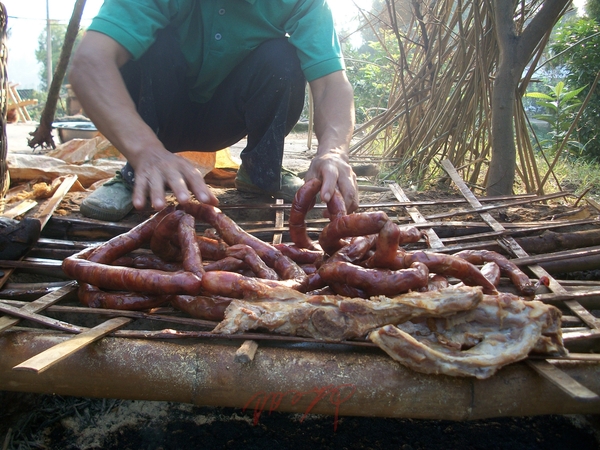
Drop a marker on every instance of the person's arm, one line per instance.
(99, 86)
(334, 123)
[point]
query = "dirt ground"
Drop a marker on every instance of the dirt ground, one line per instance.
(31, 421)
(54, 422)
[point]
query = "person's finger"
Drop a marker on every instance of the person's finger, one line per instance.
(349, 189)
(202, 191)
(157, 192)
(179, 188)
(140, 191)
(329, 176)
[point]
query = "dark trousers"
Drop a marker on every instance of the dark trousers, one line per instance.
(262, 98)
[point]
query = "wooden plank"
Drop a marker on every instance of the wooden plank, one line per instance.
(55, 200)
(562, 380)
(40, 304)
(20, 209)
(51, 356)
(43, 320)
(432, 238)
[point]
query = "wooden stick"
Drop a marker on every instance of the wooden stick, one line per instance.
(40, 304)
(246, 352)
(124, 313)
(20, 209)
(51, 356)
(38, 318)
(562, 380)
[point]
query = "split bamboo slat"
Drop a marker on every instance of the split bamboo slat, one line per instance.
(20, 209)
(53, 355)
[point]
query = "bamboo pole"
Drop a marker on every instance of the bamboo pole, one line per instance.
(294, 379)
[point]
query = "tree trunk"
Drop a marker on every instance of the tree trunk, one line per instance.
(516, 50)
(42, 136)
(501, 174)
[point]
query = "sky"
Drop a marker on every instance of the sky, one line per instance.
(27, 20)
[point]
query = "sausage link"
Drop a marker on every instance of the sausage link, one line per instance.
(233, 234)
(375, 281)
(304, 200)
(519, 278)
(164, 242)
(128, 279)
(127, 242)
(359, 224)
(192, 260)
(448, 265)
(93, 297)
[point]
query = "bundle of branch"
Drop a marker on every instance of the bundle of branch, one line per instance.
(440, 104)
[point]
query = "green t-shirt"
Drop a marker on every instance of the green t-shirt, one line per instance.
(216, 35)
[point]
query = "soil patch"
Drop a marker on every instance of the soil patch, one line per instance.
(52, 422)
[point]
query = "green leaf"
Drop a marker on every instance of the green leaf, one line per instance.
(539, 95)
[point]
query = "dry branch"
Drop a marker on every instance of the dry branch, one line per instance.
(42, 136)
(440, 105)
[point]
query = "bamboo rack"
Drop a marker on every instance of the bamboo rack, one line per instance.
(51, 344)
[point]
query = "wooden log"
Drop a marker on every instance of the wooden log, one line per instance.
(30, 291)
(319, 379)
(581, 263)
(550, 241)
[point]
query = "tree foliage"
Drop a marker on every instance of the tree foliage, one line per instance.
(592, 9)
(371, 74)
(561, 107)
(58, 32)
(576, 44)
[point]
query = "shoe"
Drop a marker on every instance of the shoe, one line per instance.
(110, 202)
(290, 183)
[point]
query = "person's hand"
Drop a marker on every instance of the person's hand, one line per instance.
(155, 170)
(100, 88)
(336, 173)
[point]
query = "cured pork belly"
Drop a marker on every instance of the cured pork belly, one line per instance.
(502, 329)
(334, 318)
